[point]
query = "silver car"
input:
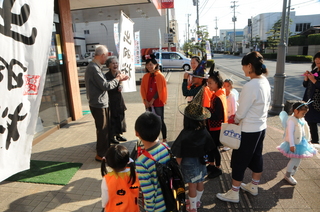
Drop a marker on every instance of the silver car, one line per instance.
(174, 60)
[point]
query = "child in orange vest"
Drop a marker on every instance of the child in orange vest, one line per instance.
(120, 187)
(219, 115)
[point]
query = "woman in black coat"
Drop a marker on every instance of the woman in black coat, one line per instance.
(312, 84)
(117, 106)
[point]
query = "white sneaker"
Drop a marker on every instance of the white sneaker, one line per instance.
(290, 180)
(251, 188)
(230, 196)
(225, 148)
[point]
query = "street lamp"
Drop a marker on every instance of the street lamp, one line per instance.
(105, 27)
(279, 77)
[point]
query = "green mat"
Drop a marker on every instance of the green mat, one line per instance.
(85, 112)
(47, 172)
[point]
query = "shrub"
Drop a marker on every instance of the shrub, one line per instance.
(226, 52)
(236, 53)
(269, 56)
(289, 58)
(210, 63)
(299, 58)
(314, 39)
(297, 40)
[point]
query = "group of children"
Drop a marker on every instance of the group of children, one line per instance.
(196, 149)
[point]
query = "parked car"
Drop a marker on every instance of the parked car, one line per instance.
(174, 60)
(88, 56)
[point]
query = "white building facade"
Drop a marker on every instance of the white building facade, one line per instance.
(102, 32)
(262, 23)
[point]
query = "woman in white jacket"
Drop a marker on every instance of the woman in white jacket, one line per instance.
(296, 144)
(252, 114)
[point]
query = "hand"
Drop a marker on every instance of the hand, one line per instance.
(305, 74)
(186, 75)
(151, 102)
(311, 77)
(122, 77)
(231, 119)
(146, 103)
(292, 148)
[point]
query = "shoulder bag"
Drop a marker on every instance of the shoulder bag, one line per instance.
(230, 135)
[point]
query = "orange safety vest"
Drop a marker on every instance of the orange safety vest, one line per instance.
(123, 196)
(221, 93)
(207, 94)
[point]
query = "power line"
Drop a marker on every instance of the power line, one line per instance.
(203, 6)
(209, 8)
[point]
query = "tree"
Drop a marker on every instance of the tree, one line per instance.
(273, 39)
(199, 45)
(203, 34)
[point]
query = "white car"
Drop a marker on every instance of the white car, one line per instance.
(174, 60)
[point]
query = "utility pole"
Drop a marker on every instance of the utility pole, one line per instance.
(216, 34)
(168, 29)
(185, 34)
(196, 3)
(279, 77)
(197, 16)
(234, 19)
(288, 25)
(188, 28)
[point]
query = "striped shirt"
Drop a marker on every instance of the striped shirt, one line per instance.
(150, 186)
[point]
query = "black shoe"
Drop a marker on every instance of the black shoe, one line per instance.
(215, 173)
(113, 141)
(120, 138)
(210, 168)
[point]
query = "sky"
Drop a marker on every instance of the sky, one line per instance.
(210, 10)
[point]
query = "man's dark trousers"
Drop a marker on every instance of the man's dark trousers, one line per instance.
(101, 118)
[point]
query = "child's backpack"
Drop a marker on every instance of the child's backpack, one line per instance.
(171, 182)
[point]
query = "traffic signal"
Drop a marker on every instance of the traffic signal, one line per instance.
(172, 29)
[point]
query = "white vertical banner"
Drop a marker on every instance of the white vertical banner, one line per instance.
(126, 53)
(116, 35)
(25, 41)
(137, 50)
(208, 50)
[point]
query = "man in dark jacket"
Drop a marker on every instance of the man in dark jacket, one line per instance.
(97, 95)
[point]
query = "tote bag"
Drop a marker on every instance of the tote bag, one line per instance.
(230, 135)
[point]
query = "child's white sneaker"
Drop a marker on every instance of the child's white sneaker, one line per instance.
(230, 196)
(290, 180)
(188, 204)
(251, 188)
(225, 148)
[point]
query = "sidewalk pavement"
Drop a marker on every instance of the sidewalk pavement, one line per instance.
(76, 143)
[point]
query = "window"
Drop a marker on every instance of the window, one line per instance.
(165, 56)
(175, 56)
(300, 27)
(86, 32)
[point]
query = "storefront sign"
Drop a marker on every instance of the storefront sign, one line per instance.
(126, 53)
(167, 4)
(25, 37)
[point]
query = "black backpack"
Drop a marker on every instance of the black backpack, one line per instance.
(171, 183)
